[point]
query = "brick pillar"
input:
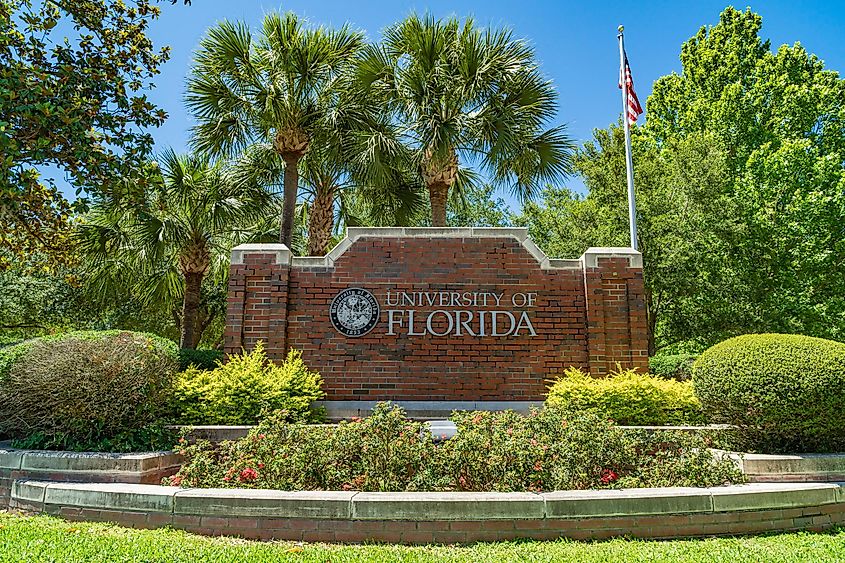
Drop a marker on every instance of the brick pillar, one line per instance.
(258, 294)
(616, 315)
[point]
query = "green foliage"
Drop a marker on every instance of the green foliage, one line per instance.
(200, 359)
(152, 437)
(783, 392)
(672, 366)
(87, 390)
(247, 388)
(73, 76)
(460, 91)
(161, 245)
(627, 397)
(48, 538)
(278, 93)
(506, 451)
(740, 179)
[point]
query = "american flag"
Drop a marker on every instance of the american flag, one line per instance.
(634, 107)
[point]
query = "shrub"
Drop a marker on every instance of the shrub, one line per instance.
(493, 451)
(201, 359)
(87, 390)
(247, 388)
(672, 366)
(627, 397)
(783, 392)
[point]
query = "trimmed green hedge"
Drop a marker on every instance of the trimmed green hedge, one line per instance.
(627, 397)
(784, 392)
(672, 366)
(88, 390)
(201, 359)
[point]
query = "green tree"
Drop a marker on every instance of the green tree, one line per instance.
(162, 244)
(465, 95)
(740, 177)
(678, 189)
(277, 90)
(72, 81)
(781, 118)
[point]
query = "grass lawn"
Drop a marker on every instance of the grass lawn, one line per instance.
(43, 538)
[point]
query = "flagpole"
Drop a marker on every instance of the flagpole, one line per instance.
(629, 168)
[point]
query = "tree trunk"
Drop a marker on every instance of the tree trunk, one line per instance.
(291, 181)
(321, 221)
(190, 305)
(438, 193)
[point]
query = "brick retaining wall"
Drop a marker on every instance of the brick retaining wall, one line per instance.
(140, 468)
(420, 518)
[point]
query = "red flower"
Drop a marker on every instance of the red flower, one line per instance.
(608, 476)
(260, 465)
(226, 478)
(262, 436)
(248, 474)
(477, 418)
(175, 481)
(538, 465)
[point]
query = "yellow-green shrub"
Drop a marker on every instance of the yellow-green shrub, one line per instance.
(628, 397)
(247, 388)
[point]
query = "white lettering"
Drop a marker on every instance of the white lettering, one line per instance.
(494, 315)
(411, 325)
(524, 320)
(431, 317)
(465, 324)
(391, 313)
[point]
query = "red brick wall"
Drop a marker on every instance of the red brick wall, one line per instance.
(591, 317)
(662, 526)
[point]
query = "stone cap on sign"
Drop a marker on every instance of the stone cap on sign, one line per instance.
(592, 254)
(589, 259)
(281, 252)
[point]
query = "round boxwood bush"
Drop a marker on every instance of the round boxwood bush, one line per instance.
(783, 392)
(102, 390)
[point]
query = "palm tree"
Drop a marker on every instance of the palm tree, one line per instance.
(274, 90)
(465, 95)
(355, 155)
(167, 238)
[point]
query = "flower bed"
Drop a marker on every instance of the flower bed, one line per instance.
(549, 449)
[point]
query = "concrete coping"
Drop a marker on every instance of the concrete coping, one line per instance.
(785, 465)
(88, 462)
(425, 506)
(283, 254)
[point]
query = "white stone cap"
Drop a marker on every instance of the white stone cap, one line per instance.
(282, 252)
(354, 233)
(587, 260)
(592, 254)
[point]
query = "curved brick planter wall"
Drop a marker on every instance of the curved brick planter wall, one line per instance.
(445, 517)
(84, 467)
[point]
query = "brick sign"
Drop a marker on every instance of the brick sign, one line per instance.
(467, 315)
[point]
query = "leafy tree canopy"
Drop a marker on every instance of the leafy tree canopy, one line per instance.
(72, 81)
(740, 178)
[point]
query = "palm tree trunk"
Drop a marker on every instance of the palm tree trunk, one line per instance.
(321, 221)
(190, 306)
(438, 193)
(291, 182)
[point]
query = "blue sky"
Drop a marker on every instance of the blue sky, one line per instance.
(575, 42)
